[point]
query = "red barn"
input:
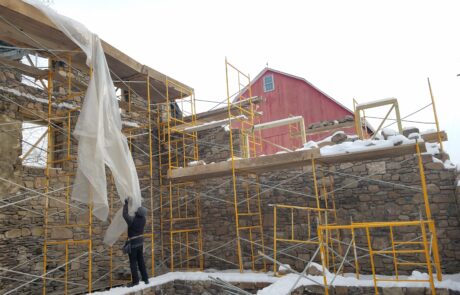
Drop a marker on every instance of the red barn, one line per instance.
(286, 95)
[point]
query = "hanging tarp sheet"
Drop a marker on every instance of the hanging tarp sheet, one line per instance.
(98, 130)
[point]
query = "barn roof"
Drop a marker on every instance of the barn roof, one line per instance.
(267, 69)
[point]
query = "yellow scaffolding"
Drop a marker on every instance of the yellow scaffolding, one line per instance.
(63, 151)
(361, 122)
(248, 213)
(180, 208)
(398, 247)
(323, 214)
(428, 246)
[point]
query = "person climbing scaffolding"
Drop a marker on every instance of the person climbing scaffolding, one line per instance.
(134, 246)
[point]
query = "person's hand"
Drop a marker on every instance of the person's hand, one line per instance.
(126, 201)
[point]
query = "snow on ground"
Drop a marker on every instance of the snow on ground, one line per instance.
(282, 285)
(228, 276)
(285, 283)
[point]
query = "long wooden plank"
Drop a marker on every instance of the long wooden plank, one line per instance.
(252, 165)
(287, 160)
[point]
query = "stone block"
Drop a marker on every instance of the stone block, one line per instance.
(14, 233)
(409, 131)
(25, 232)
(440, 291)
(392, 291)
(433, 188)
(407, 177)
(341, 290)
(344, 166)
(415, 291)
(434, 166)
(350, 183)
(61, 233)
(364, 198)
(359, 168)
(376, 168)
(57, 203)
(339, 137)
(373, 188)
(37, 231)
(40, 182)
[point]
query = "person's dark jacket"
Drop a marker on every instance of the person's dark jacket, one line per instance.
(136, 225)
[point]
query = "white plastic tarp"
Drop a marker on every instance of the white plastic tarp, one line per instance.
(98, 130)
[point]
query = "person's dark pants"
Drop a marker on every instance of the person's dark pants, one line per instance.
(136, 258)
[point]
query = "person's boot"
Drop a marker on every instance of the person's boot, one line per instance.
(146, 282)
(132, 284)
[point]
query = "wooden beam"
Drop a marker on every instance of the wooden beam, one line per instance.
(376, 103)
(287, 160)
(206, 126)
(23, 68)
(373, 154)
(251, 165)
(433, 137)
(222, 113)
(330, 128)
(218, 114)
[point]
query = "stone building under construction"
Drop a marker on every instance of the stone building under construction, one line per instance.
(382, 203)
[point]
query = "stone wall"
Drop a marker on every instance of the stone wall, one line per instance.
(387, 189)
(22, 193)
(389, 196)
(214, 144)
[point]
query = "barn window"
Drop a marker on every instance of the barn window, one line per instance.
(269, 84)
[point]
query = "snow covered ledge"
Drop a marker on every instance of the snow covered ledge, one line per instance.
(347, 284)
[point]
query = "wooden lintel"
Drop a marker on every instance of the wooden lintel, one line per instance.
(330, 128)
(376, 103)
(251, 165)
(373, 154)
(433, 137)
(287, 160)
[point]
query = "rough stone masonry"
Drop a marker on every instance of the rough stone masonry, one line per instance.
(386, 189)
(21, 225)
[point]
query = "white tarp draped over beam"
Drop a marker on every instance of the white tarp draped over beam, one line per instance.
(98, 130)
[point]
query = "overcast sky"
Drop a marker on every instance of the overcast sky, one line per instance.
(349, 49)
